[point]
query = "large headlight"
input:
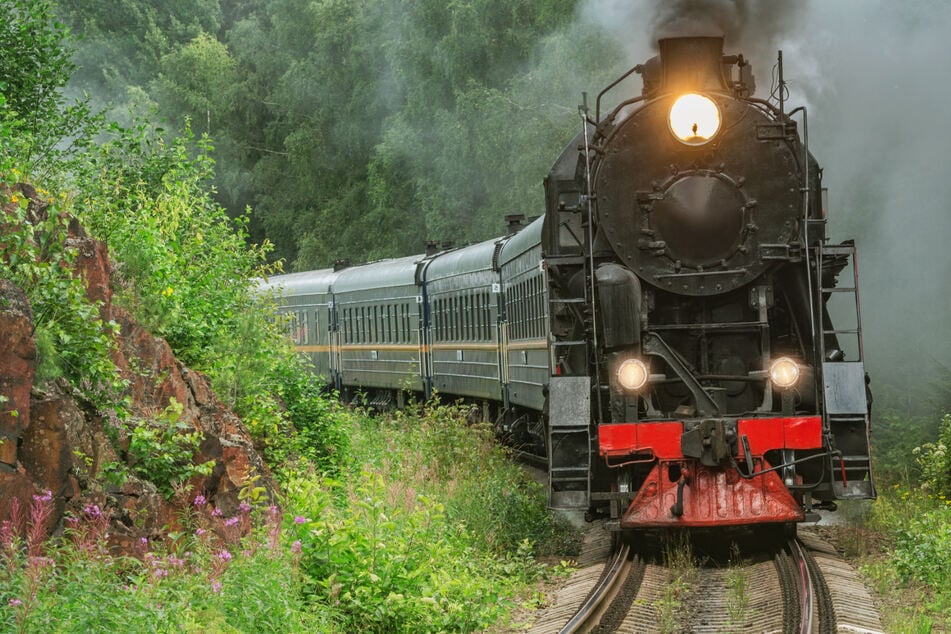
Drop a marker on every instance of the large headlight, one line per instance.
(632, 374)
(694, 119)
(784, 372)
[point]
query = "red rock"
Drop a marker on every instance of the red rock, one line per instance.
(17, 366)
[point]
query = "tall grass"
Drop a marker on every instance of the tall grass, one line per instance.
(428, 528)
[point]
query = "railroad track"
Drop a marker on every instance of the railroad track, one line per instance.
(804, 588)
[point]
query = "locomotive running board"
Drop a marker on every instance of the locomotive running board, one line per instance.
(569, 442)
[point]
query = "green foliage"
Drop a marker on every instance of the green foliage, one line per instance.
(934, 459)
(34, 65)
(298, 428)
(443, 456)
(184, 267)
(162, 450)
(72, 339)
(226, 584)
(394, 562)
(392, 122)
(918, 525)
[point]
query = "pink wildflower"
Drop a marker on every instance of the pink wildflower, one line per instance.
(296, 547)
(200, 500)
(216, 586)
(300, 519)
(231, 521)
(224, 555)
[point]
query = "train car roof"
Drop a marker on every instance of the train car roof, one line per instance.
(382, 274)
(522, 241)
(476, 257)
(303, 283)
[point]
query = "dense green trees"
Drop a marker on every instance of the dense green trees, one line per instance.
(353, 128)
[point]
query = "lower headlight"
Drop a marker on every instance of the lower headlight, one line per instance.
(784, 372)
(632, 374)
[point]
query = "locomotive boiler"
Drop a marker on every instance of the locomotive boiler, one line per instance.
(675, 337)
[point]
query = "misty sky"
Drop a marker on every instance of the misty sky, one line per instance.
(875, 76)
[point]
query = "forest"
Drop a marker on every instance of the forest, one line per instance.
(391, 122)
(349, 129)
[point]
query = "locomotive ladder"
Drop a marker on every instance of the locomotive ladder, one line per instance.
(844, 385)
(569, 412)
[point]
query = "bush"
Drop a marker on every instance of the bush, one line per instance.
(434, 529)
(162, 450)
(934, 460)
(207, 579)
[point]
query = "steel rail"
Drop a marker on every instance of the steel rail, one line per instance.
(601, 592)
(806, 602)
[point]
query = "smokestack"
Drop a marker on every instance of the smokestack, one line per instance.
(692, 64)
(515, 223)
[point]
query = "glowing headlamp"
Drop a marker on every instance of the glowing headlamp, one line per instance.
(784, 372)
(632, 374)
(694, 119)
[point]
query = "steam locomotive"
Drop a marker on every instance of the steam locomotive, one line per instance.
(663, 337)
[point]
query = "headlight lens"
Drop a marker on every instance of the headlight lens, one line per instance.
(784, 372)
(632, 374)
(694, 119)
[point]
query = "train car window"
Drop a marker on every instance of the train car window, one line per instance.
(443, 319)
(362, 330)
(391, 323)
(467, 316)
(477, 315)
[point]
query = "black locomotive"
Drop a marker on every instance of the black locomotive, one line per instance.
(661, 337)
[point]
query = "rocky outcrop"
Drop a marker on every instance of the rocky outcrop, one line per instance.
(53, 441)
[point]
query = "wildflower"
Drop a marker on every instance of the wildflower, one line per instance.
(224, 555)
(144, 541)
(299, 519)
(296, 547)
(200, 500)
(160, 573)
(216, 586)
(200, 531)
(15, 603)
(244, 507)
(216, 513)
(231, 521)
(168, 291)
(46, 497)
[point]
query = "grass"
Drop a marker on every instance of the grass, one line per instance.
(904, 553)
(429, 528)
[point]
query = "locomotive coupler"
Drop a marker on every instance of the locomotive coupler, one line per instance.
(711, 441)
